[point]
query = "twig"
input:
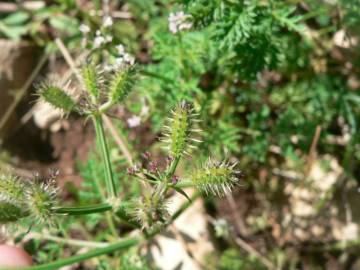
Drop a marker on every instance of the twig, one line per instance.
(12, 7)
(238, 220)
(122, 15)
(72, 242)
(312, 151)
(20, 93)
(241, 243)
(69, 60)
(249, 249)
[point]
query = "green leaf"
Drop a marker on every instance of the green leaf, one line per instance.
(182, 193)
(16, 18)
(65, 24)
(13, 32)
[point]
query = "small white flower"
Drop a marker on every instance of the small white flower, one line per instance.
(84, 29)
(129, 59)
(108, 68)
(179, 21)
(133, 121)
(119, 61)
(108, 21)
(98, 32)
(108, 38)
(98, 41)
(144, 110)
(121, 49)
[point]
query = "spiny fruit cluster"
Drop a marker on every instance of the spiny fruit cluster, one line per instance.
(217, 178)
(19, 198)
(101, 90)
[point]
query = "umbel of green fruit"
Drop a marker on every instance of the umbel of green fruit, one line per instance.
(102, 90)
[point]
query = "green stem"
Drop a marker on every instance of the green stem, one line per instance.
(156, 76)
(96, 208)
(184, 206)
(83, 210)
(182, 184)
(106, 106)
(124, 244)
(108, 216)
(100, 134)
(172, 168)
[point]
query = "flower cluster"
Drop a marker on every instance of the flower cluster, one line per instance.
(179, 21)
(102, 35)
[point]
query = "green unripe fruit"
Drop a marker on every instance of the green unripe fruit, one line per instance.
(216, 178)
(180, 130)
(57, 97)
(121, 84)
(91, 81)
(12, 199)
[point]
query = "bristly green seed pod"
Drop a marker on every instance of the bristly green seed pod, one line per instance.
(41, 200)
(180, 130)
(216, 178)
(121, 84)
(12, 199)
(92, 80)
(57, 97)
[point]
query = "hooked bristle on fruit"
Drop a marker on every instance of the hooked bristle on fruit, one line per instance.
(121, 84)
(56, 95)
(180, 130)
(217, 178)
(92, 81)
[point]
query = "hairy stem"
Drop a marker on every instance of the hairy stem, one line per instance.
(100, 134)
